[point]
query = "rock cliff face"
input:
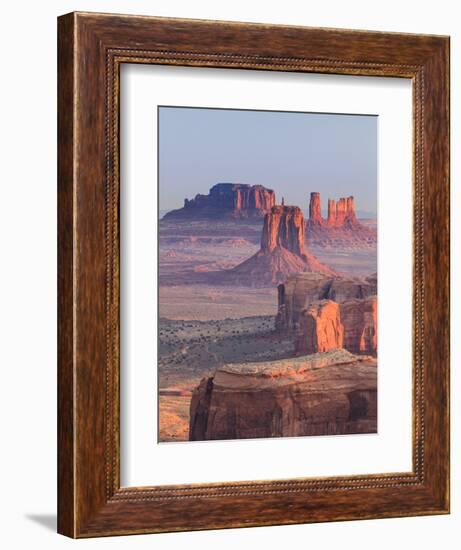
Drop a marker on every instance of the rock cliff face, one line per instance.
(282, 251)
(321, 328)
(228, 200)
(341, 228)
(342, 213)
(315, 215)
(321, 394)
(283, 227)
(327, 325)
(360, 321)
(302, 289)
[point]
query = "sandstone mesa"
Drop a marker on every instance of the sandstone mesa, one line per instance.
(324, 394)
(227, 200)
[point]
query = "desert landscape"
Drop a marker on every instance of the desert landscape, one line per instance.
(267, 317)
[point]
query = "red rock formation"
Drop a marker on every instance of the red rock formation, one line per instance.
(321, 328)
(315, 214)
(282, 252)
(283, 227)
(350, 210)
(360, 321)
(326, 393)
(345, 288)
(228, 200)
(340, 211)
(326, 325)
(302, 289)
(331, 212)
(341, 228)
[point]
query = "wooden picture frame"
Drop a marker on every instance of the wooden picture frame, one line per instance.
(92, 48)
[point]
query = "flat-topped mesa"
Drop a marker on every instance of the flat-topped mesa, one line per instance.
(284, 227)
(319, 394)
(228, 200)
(238, 196)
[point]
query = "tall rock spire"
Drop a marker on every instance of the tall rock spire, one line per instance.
(315, 213)
(331, 212)
(350, 210)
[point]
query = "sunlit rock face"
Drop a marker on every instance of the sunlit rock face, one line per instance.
(327, 325)
(282, 251)
(320, 394)
(283, 227)
(320, 328)
(340, 228)
(302, 289)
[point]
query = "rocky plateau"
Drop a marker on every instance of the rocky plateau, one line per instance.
(227, 200)
(321, 394)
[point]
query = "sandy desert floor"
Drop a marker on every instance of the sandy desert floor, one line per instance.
(190, 350)
(354, 262)
(202, 326)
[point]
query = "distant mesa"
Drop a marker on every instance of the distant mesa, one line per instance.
(341, 213)
(227, 200)
(320, 394)
(340, 228)
(282, 251)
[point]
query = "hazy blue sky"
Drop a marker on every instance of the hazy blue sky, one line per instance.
(292, 153)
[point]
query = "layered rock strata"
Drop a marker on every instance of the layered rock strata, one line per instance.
(227, 200)
(283, 228)
(315, 214)
(327, 325)
(341, 228)
(302, 289)
(282, 251)
(322, 394)
(321, 328)
(360, 321)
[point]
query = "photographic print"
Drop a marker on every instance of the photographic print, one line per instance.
(267, 270)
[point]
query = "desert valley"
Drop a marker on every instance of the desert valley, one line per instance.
(267, 317)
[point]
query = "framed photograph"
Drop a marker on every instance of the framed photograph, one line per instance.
(253, 275)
